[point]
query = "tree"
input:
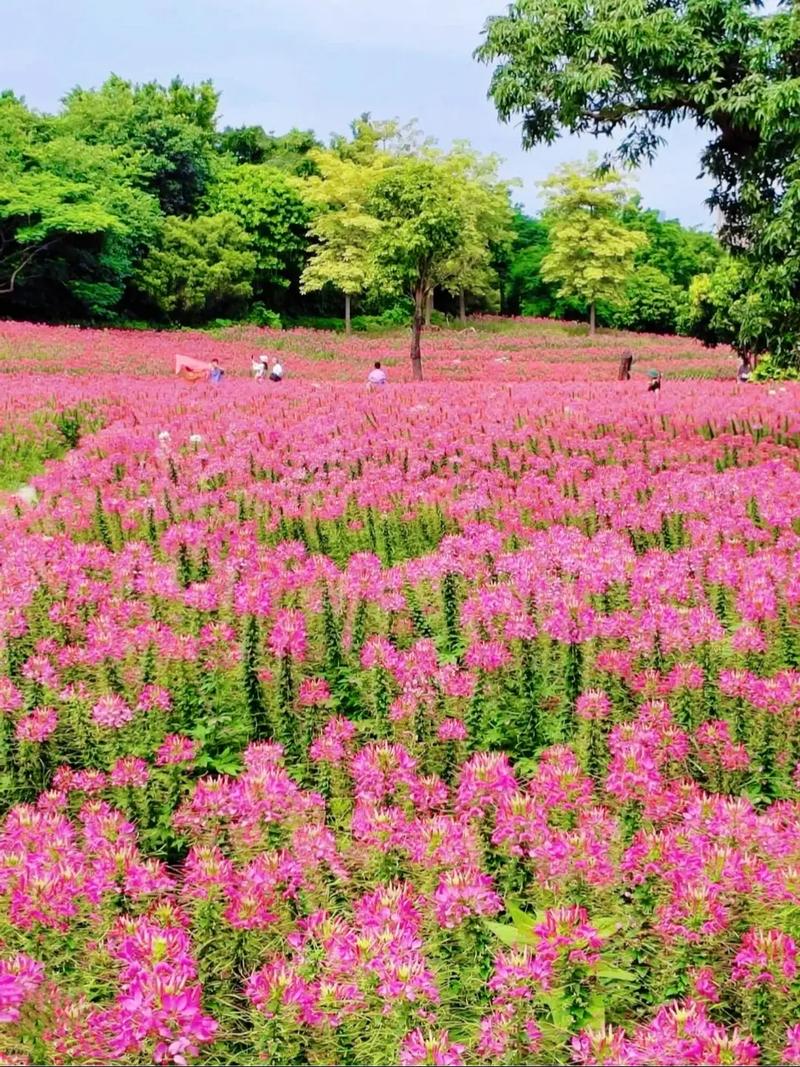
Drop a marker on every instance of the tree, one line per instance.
(419, 203)
(370, 137)
(677, 251)
(591, 251)
(342, 227)
(201, 266)
(713, 309)
(166, 134)
(37, 211)
(71, 223)
(269, 207)
(651, 302)
(635, 67)
(289, 152)
(487, 231)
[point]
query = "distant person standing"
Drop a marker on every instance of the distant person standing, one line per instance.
(625, 366)
(216, 373)
(276, 374)
(744, 371)
(377, 376)
(655, 382)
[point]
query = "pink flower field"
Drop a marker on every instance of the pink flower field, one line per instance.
(454, 723)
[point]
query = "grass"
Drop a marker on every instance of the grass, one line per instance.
(44, 436)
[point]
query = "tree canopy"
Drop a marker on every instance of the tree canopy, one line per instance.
(591, 250)
(91, 199)
(633, 68)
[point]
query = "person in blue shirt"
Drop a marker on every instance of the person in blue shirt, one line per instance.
(216, 372)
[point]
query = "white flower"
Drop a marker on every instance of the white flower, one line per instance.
(164, 435)
(195, 438)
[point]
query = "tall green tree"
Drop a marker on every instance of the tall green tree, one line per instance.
(269, 207)
(166, 134)
(713, 307)
(632, 68)
(200, 267)
(650, 302)
(289, 152)
(71, 222)
(487, 230)
(342, 227)
(591, 251)
(419, 203)
(677, 251)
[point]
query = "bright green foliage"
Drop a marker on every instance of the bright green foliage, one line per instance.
(70, 221)
(419, 202)
(636, 67)
(526, 291)
(656, 294)
(591, 251)
(487, 231)
(270, 209)
(342, 226)
(651, 302)
(39, 208)
(86, 197)
(372, 137)
(711, 310)
(679, 253)
(201, 266)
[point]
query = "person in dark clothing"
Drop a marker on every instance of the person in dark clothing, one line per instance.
(655, 382)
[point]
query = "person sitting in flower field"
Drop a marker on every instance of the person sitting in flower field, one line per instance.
(276, 374)
(216, 373)
(655, 382)
(377, 376)
(259, 367)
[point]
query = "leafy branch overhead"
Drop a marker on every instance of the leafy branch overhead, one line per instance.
(634, 68)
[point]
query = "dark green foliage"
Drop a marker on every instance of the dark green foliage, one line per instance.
(452, 611)
(102, 529)
(251, 683)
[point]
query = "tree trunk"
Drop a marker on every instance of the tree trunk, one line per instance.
(416, 334)
(347, 314)
(592, 324)
(462, 308)
(429, 308)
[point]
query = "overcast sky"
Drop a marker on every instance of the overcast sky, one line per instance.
(312, 63)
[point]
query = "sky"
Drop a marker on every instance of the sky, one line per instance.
(315, 64)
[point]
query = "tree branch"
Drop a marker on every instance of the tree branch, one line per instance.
(26, 260)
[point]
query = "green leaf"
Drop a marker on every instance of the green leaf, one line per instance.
(556, 1002)
(520, 919)
(596, 1013)
(615, 974)
(509, 935)
(607, 925)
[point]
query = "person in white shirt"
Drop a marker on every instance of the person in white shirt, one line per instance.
(377, 376)
(258, 368)
(276, 374)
